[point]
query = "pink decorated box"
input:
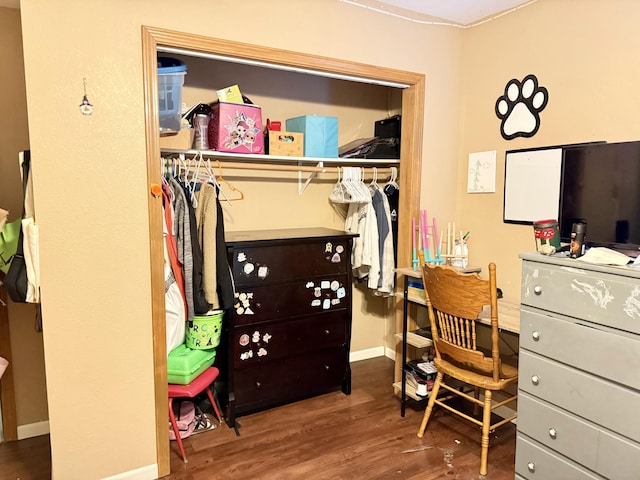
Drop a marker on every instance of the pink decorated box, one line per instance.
(236, 128)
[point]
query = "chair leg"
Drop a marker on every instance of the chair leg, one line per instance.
(176, 430)
(430, 404)
(486, 423)
(213, 403)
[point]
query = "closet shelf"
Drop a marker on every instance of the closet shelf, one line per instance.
(310, 165)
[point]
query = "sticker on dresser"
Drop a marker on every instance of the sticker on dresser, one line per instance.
(254, 345)
(243, 303)
(249, 268)
(326, 294)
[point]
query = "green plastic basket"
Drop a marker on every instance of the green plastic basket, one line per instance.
(203, 333)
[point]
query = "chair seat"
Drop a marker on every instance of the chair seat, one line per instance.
(201, 382)
(477, 379)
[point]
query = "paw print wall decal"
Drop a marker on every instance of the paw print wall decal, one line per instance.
(520, 106)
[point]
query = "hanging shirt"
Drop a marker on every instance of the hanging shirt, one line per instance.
(182, 231)
(206, 218)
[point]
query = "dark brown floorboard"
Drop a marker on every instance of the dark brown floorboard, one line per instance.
(330, 437)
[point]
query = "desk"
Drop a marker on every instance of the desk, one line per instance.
(508, 318)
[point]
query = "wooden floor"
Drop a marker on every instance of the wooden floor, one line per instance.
(334, 436)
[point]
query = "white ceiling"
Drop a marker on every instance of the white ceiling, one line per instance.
(463, 12)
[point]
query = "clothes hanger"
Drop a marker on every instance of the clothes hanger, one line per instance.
(392, 186)
(193, 179)
(373, 185)
(339, 193)
(211, 178)
(228, 184)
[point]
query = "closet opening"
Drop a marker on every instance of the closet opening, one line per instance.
(411, 86)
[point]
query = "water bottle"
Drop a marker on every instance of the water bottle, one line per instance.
(201, 126)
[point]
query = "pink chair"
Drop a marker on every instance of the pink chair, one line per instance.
(200, 383)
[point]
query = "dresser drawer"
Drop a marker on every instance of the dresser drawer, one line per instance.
(601, 402)
(599, 450)
(581, 293)
(289, 379)
(534, 461)
(278, 263)
(610, 355)
(266, 342)
(558, 430)
(303, 297)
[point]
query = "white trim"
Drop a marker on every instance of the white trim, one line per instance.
(366, 354)
(150, 472)
(390, 353)
(33, 429)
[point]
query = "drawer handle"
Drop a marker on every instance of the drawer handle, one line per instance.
(537, 290)
(258, 385)
(535, 379)
(535, 335)
(553, 433)
(531, 466)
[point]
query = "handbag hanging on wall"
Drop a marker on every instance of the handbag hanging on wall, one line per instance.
(16, 278)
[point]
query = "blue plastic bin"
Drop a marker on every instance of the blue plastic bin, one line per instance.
(171, 73)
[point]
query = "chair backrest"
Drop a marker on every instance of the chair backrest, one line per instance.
(454, 302)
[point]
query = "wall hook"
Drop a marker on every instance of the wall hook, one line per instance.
(85, 107)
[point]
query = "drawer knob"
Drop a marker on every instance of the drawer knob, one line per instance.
(535, 379)
(326, 367)
(531, 467)
(537, 290)
(535, 335)
(327, 332)
(258, 385)
(553, 433)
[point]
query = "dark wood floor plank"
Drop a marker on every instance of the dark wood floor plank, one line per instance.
(331, 437)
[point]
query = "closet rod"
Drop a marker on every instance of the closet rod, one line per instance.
(287, 168)
(292, 168)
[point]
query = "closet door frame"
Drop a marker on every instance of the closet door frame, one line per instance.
(409, 180)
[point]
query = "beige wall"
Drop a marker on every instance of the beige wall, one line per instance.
(584, 52)
(90, 179)
(91, 192)
(26, 343)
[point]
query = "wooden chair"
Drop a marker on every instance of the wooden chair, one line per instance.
(454, 301)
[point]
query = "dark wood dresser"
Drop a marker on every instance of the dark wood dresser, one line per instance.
(289, 333)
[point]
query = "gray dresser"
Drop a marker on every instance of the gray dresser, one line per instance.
(579, 371)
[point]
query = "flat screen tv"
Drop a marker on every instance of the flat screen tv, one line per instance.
(601, 186)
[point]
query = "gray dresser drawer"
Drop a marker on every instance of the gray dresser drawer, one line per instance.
(602, 402)
(581, 293)
(534, 461)
(558, 430)
(565, 340)
(599, 450)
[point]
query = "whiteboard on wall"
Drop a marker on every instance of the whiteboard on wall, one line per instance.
(532, 185)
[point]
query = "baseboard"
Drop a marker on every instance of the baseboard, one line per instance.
(390, 353)
(33, 430)
(366, 354)
(150, 472)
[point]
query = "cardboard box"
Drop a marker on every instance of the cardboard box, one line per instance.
(183, 140)
(286, 144)
(320, 134)
(236, 128)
